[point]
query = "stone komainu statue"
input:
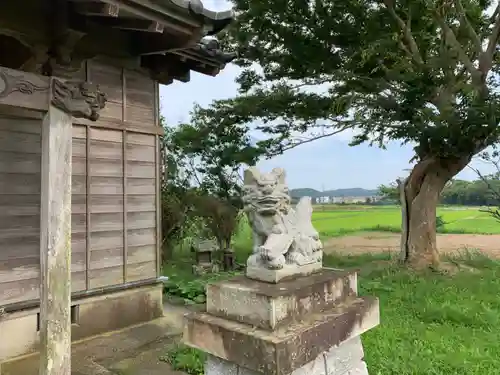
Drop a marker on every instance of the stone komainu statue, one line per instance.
(282, 235)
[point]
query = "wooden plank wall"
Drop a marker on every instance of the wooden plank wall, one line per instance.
(141, 179)
(106, 208)
(122, 226)
(141, 206)
(115, 200)
(20, 158)
(79, 210)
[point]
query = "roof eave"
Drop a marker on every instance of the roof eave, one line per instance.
(193, 20)
(217, 20)
(190, 12)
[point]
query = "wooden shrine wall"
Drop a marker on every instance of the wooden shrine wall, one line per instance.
(115, 201)
(20, 166)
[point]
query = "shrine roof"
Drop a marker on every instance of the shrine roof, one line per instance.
(171, 37)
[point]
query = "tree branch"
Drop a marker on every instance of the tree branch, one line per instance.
(495, 14)
(309, 140)
(190, 162)
(486, 58)
(490, 187)
(406, 30)
(455, 45)
(312, 82)
(405, 49)
(464, 22)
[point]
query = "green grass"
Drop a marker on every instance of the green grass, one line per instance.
(434, 323)
(340, 222)
(183, 285)
(431, 324)
(183, 358)
(329, 223)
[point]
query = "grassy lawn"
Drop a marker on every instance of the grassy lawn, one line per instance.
(435, 324)
(431, 324)
(334, 222)
(339, 221)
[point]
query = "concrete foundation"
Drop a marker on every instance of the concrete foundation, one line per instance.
(90, 316)
(309, 325)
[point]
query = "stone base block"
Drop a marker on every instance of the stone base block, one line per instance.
(345, 359)
(286, 273)
(285, 350)
(271, 306)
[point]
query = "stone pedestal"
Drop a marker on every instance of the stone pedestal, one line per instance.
(288, 272)
(309, 325)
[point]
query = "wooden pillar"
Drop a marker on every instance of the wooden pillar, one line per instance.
(55, 243)
(67, 100)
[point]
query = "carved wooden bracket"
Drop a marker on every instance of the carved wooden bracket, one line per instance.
(66, 45)
(24, 90)
(36, 93)
(63, 40)
(10, 83)
(80, 99)
(39, 57)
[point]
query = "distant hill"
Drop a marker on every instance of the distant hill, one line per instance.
(352, 192)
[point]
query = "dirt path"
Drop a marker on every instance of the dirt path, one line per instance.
(380, 241)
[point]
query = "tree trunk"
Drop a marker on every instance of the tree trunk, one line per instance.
(404, 220)
(419, 195)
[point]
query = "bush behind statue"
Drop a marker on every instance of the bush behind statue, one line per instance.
(196, 214)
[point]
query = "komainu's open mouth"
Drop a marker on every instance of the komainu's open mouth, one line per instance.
(268, 201)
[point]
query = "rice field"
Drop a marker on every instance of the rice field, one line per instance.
(367, 229)
(334, 221)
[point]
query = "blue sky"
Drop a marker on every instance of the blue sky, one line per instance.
(324, 164)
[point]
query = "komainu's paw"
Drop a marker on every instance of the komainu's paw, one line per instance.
(264, 252)
(254, 260)
(273, 261)
(276, 263)
(293, 257)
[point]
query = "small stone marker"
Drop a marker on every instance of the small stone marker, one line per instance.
(288, 315)
(203, 250)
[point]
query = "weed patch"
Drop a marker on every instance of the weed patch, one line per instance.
(183, 358)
